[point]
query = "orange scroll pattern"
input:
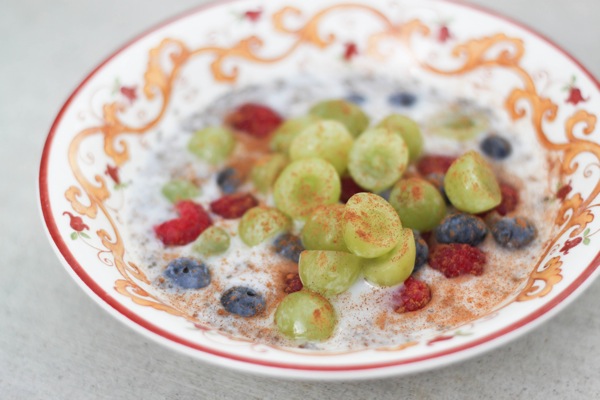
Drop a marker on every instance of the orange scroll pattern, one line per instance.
(88, 197)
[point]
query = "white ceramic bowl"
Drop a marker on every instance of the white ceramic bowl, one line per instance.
(180, 66)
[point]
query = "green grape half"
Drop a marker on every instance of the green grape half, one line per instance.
(304, 185)
(418, 203)
(266, 170)
(349, 114)
(329, 140)
(395, 266)
(371, 225)
(305, 315)
(324, 229)
(328, 272)
(378, 159)
(458, 124)
(286, 132)
(471, 185)
(212, 144)
(261, 223)
(212, 241)
(409, 130)
(179, 189)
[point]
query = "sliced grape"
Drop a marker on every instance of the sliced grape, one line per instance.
(212, 241)
(409, 130)
(328, 272)
(212, 144)
(305, 315)
(180, 189)
(261, 223)
(323, 229)
(395, 266)
(266, 170)
(371, 225)
(458, 124)
(285, 134)
(329, 140)
(471, 185)
(349, 114)
(304, 185)
(378, 159)
(418, 203)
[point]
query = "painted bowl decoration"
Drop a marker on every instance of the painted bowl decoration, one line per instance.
(119, 156)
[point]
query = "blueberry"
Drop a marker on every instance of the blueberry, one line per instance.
(437, 180)
(289, 246)
(187, 273)
(496, 147)
(229, 180)
(513, 233)
(404, 99)
(386, 194)
(422, 251)
(461, 228)
(243, 301)
(356, 98)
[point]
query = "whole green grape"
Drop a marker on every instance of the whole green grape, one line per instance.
(418, 203)
(408, 129)
(212, 241)
(371, 225)
(323, 229)
(471, 185)
(261, 223)
(305, 315)
(329, 140)
(395, 266)
(266, 170)
(349, 114)
(212, 144)
(179, 189)
(328, 272)
(304, 185)
(286, 132)
(378, 159)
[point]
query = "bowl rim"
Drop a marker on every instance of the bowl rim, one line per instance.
(285, 369)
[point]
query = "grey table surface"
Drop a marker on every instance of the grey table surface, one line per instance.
(56, 343)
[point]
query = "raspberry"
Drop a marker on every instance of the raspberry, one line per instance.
(254, 119)
(349, 188)
(510, 199)
(192, 221)
(435, 163)
(233, 206)
(457, 259)
(292, 283)
(413, 296)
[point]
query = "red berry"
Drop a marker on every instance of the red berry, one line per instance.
(510, 199)
(293, 283)
(192, 221)
(434, 163)
(457, 259)
(254, 119)
(349, 188)
(233, 206)
(413, 296)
